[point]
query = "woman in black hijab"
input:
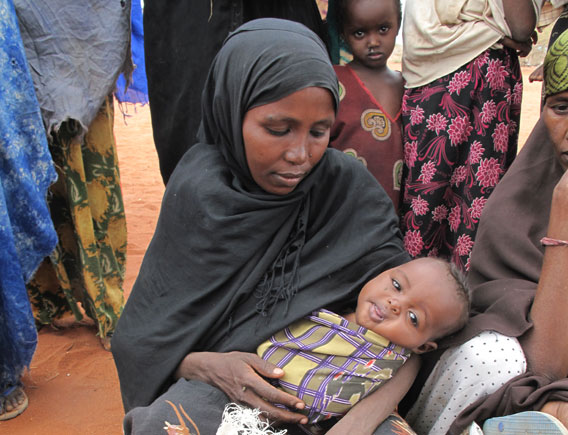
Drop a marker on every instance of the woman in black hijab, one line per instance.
(260, 225)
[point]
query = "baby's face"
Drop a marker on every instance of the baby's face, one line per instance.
(410, 304)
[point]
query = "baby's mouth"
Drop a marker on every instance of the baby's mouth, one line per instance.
(376, 313)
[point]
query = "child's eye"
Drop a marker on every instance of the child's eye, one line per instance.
(384, 29)
(358, 34)
(413, 318)
(396, 285)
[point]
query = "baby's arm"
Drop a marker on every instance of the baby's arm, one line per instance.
(370, 412)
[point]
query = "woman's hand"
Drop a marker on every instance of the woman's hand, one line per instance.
(239, 376)
(522, 48)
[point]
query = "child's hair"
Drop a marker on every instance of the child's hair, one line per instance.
(463, 293)
(341, 13)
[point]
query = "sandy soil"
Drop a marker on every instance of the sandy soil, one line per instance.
(72, 385)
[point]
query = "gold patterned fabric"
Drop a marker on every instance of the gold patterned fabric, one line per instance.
(556, 66)
(330, 363)
(86, 270)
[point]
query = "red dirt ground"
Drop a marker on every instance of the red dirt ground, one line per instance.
(72, 385)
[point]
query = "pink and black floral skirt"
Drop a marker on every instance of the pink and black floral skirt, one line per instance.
(460, 136)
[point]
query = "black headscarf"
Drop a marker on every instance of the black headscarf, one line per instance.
(231, 264)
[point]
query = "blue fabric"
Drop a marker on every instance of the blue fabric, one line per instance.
(137, 91)
(26, 171)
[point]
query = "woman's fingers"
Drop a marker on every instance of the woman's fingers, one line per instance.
(274, 413)
(240, 376)
(266, 390)
(262, 367)
(522, 48)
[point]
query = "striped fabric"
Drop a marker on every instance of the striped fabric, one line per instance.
(556, 66)
(331, 363)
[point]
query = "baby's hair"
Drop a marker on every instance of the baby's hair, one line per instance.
(463, 293)
(341, 13)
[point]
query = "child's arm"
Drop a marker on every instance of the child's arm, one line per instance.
(370, 412)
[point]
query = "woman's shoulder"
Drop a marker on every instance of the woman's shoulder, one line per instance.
(200, 164)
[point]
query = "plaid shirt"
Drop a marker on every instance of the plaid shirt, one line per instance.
(331, 363)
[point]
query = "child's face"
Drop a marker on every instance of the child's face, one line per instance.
(410, 304)
(370, 30)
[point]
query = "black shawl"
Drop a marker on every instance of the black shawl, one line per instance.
(221, 241)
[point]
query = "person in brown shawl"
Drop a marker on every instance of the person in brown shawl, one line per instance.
(518, 276)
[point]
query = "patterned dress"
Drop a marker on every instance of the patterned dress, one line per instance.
(460, 136)
(367, 132)
(86, 272)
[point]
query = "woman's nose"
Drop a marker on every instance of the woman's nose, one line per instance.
(297, 152)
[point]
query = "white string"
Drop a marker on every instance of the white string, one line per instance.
(240, 420)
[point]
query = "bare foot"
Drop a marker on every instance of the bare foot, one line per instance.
(105, 341)
(558, 410)
(13, 404)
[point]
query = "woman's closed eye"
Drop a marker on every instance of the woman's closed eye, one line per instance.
(318, 133)
(278, 131)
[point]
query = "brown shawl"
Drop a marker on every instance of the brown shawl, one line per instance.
(505, 269)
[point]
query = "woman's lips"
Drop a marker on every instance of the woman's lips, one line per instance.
(289, 178)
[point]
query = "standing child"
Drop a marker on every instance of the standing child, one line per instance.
(368, 123)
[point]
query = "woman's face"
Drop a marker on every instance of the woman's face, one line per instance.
(555, 117)
(285, 139)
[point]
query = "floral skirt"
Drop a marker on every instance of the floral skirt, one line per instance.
(460, 136)
(85, 273)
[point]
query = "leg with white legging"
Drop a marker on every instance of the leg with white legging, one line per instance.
(464, 374)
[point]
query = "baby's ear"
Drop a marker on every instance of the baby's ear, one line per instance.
(426, 347)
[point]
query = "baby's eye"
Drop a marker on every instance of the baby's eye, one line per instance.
(413, 318)
(396, 285)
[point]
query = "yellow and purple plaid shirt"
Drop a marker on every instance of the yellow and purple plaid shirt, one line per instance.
(331, 363)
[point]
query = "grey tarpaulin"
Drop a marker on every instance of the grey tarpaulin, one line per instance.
(75, 50)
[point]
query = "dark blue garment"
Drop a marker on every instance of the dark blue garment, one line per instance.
(26, 171)
(137, 91)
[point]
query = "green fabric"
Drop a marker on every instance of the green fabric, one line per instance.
(556, 66)
(85, 273)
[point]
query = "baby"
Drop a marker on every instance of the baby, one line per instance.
(331, 361)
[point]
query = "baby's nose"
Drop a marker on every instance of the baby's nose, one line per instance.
(394, 306)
